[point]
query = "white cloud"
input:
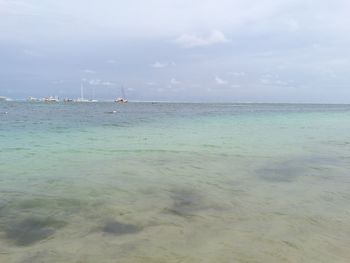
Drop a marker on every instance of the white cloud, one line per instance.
(88, 71)
(111, 61)
(174, 81)
(107, 83)
(269, 76)
(220, 81)
(98, 82)
(264, 81)
(193, 40)
(281, 82)
(237, 74)
(159, 65)
(273, 80)
(94, 81)
(151, 83)
(57, 82)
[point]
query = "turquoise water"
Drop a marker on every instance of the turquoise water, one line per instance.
(174, 182)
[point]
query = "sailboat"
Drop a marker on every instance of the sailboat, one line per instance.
(81, 99)
(122, 99)
(93, 95)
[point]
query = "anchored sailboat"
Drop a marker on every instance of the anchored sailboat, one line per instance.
(122, 99)
(93, 95)
(81, 99)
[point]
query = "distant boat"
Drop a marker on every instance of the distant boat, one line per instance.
(68, 100)
(32, 99)
(2, 98)
(93, 95)
(82, 99)
(122, 99)
(51, 99)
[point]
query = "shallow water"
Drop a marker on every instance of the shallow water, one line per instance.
(174, 182)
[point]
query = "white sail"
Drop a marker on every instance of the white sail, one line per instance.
(81, 99)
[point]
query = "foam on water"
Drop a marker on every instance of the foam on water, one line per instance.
(174, 183)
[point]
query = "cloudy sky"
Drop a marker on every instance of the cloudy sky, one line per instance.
(177, 50)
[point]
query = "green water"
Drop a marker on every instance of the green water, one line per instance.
(174, 182)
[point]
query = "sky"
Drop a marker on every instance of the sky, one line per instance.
(177, 50)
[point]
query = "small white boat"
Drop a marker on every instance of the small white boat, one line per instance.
(32, 99)
(120, 100)
(81, 100)
(2, 98)
(51, 99)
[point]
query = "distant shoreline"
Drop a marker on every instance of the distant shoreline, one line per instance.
(183, 102)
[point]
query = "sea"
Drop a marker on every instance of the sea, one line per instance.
(174, 182)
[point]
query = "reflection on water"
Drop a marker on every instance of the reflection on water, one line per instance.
(174, 183)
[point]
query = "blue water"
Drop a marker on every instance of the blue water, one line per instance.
(143, 182)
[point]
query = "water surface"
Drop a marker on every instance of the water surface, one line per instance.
(143, 182)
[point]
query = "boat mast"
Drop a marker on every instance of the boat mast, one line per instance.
(81, 90)
(123, 92)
